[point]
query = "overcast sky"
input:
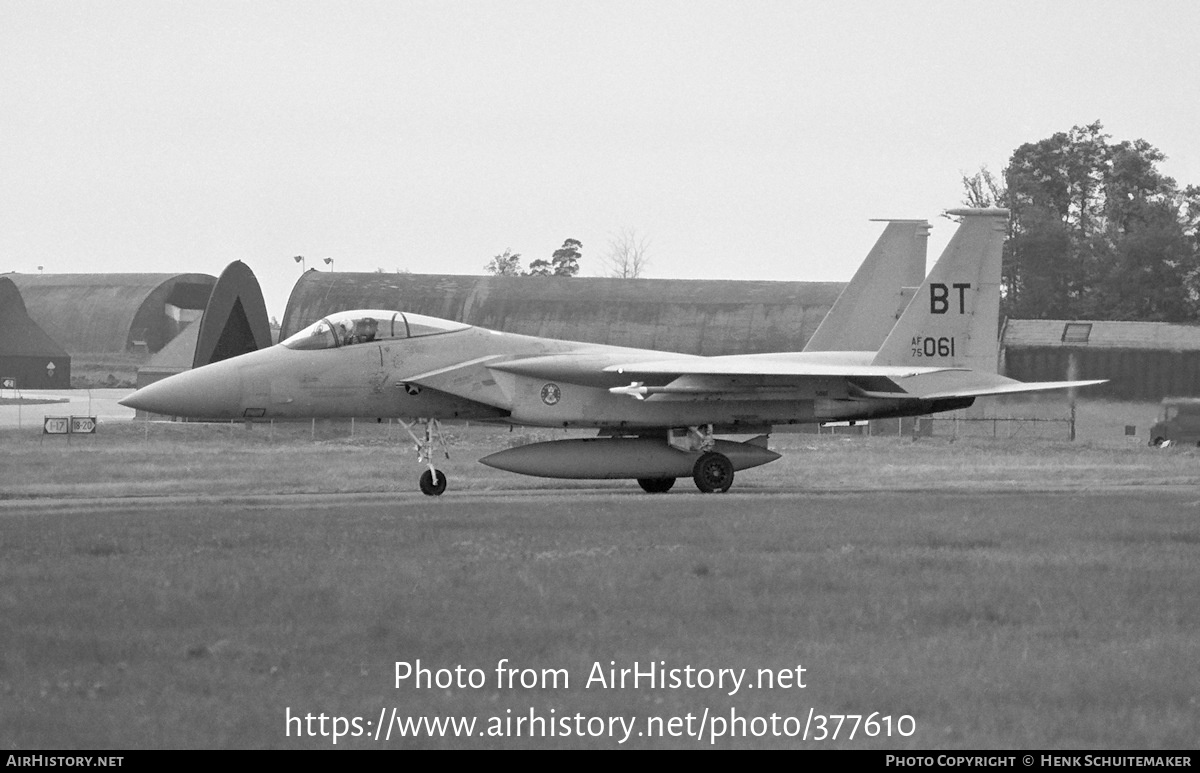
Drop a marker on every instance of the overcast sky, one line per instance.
(744, 140)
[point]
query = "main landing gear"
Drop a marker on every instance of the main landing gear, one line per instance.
(656, 485)
(712, 472)
(433, 480)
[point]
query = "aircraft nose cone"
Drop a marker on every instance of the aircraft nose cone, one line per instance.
(210, 392)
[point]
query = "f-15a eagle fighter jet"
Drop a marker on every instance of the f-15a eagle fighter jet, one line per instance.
(659, 414)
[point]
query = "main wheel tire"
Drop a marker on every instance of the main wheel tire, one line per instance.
(713, 473)
(656, 485)
(427, 485)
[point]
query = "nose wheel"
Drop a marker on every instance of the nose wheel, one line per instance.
(433, 480)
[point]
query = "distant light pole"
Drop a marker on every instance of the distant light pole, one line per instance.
(300, 259)
(329, 262)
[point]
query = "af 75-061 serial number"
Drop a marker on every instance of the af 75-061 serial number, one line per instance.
(928, 346)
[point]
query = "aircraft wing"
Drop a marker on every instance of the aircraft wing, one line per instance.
(712, 377)
(786, 375)
(586, 367)
(752, 365)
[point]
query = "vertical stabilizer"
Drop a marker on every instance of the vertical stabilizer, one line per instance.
(952, 322)
(865, 312)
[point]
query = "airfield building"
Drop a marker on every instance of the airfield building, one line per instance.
(29, 358)
(167, 323)
(232, 321)
(1142, 360)
(136, 313)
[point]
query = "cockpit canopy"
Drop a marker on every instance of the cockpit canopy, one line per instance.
(347, 328)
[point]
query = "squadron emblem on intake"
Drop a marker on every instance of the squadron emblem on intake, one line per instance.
(551, 394)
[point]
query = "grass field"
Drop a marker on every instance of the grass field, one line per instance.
(188, 586)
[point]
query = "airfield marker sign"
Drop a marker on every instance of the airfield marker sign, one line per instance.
(69, 425)
(10, 382)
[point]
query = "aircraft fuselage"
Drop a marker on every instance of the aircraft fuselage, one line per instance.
(447, 376)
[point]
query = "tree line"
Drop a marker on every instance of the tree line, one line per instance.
(1096, 230)
(564, 262)
(627, 258)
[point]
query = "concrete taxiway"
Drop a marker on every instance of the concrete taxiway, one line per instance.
(100, 403)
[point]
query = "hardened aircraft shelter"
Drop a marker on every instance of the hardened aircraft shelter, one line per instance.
(708, 317)
(234, 321)
(29, 358)
(110, 313)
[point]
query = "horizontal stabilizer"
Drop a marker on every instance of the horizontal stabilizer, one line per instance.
(1014, 387)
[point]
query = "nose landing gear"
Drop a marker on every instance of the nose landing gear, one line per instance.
(433, 480)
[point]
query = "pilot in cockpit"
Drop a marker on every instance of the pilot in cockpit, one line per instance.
(366, 329)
